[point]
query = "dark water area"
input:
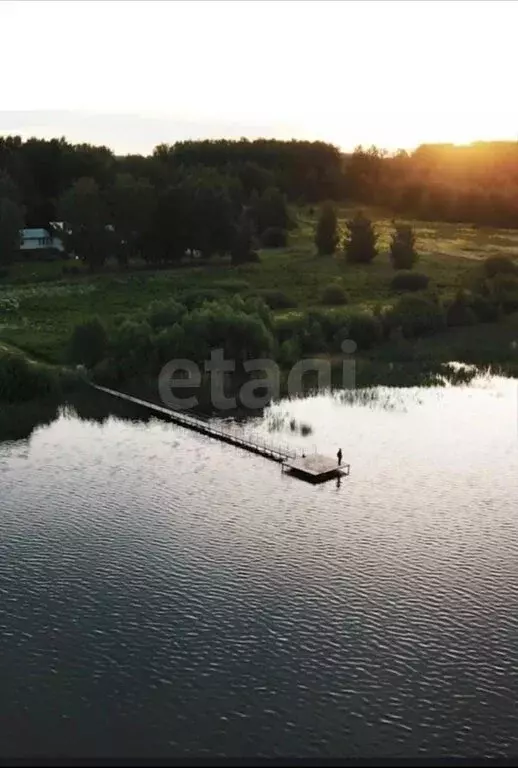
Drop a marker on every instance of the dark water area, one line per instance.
(163, 594)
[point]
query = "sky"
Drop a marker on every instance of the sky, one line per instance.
(131, 74)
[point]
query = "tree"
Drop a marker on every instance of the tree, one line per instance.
(270, 210)
(360, 240)
(131, 202)
(11, 220)
(326, 235)
(87, 223)
(242, 248)
(211, 214)
(402, 247)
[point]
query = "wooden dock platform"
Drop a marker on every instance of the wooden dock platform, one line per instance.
(312, 466)
(315, 468)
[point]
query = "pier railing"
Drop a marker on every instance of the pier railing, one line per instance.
(250, 441)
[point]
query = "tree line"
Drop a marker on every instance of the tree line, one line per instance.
(211, 196)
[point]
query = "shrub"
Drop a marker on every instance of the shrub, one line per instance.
(132, 347)
(170, 343)
(274, 237)
(197, 296)
(326, 234)
(459, 311)
(163, 314)
(333, 295)
(312, 338)
(288, 327)
(364, 328)
(404, 280)
(4, 273)
(240, 334)
(289, 352)
(276, 299)
(499, 265)
(402, 247)
(88, 343)
(21, 381)
(417, 316)
(360, 240)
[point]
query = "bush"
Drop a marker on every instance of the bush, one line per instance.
(326, 235)
(170, 343)
(416, 316)
(364, 328)
(402, 247)
(242, 335)
(289, 352)
(405, 280)
(163, 314)
(4, 273)
(333, 295)
(499, 265)
(276, 299)
(288, 327)
(459, 311)
(132, 348)
(88, 343)
(274, 237)
(21, 381)
(197, 296)
(360, 240)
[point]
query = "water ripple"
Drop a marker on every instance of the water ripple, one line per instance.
(166, 595)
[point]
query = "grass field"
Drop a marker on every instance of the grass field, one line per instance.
(39, 305)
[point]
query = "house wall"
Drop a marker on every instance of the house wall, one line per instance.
(40, 244)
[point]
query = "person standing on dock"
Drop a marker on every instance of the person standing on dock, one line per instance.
(339, 456)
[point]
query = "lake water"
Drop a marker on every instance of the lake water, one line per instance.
(166, 595)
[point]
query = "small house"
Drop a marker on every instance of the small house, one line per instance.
(40, 242)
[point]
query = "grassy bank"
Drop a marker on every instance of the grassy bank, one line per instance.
(40, 303)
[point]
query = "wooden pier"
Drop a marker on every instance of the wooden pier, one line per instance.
(308, 466)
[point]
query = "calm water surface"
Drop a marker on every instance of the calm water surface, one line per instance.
(163, 594)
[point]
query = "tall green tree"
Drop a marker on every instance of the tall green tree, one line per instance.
(271, 210)
(88, 229)
(360, 240)
(326, 234)
(403, 253)
(131, 203)
(242, 247)
(11, 224)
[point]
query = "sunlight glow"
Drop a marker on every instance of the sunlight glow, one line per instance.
(132, 74)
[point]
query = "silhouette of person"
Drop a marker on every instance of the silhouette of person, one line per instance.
(339, 456)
